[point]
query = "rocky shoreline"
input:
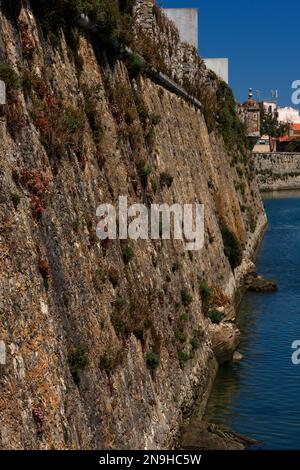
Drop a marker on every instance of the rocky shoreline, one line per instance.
(198, 434)
(257, 283)
(208, 436)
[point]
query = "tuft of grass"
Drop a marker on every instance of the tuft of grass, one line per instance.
(183, 357)
(205, 294)
(252, 225)
(110, 360)
(152, 361)
(73, 120)
(154, 185)
(166, 180)
(127, 254)
(136, 65)
(215, 316)
(155, 119)
(78, 361)
(186, 297)
(232, 247)
(197, 339)
(113, 276)
(175, 267)
(91, 99)
(180, 336)
(15, 198)
(10, 77)
(106, 363)
(119, 303)
(144, 171)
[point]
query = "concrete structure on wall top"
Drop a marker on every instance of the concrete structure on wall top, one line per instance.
(220, 67)
(186, 20)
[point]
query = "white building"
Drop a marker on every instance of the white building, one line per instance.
(288, 114)
(220, 67)
(270, 107)
(186, 20)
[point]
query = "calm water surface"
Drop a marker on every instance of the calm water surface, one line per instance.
(260, 397)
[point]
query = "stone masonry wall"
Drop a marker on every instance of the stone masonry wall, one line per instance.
(78, 318)
(181, 59)
(277, 171)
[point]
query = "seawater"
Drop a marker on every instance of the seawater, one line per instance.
(260, 397)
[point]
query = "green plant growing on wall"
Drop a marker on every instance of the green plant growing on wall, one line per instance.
(142, 109)
(166, 180)
(90, 94)
(136, 65)
(155, 119)
(10, 77)
(186, 297)
(112, 18)
(110, 360)
(106, 363)
(119, 303)
(73, 120)
(180, 335)
(252, 224)
(78, 360)
(150, 138)
(215, 316)
(205, 294)
(229, 124)
(15, 199)
(11, 110)
(183, 357)
(144, 171)
(232, 247)
(197, 339)
(154, 185)
(152, 361)
(127, 254)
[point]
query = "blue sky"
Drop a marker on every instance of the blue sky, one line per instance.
(261, 38)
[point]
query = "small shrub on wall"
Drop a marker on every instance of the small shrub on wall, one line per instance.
(12, 109)
(215, 316)
(10, 77)
(205, 294)
(112, 17)
(232, 247)
(152, 361)
(78, 361)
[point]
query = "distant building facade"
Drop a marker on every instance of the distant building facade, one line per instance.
(293, 134)
(263, 145)
(288, 114)
(252, 116)
(270, 107)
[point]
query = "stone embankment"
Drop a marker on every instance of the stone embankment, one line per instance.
(277, 171)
